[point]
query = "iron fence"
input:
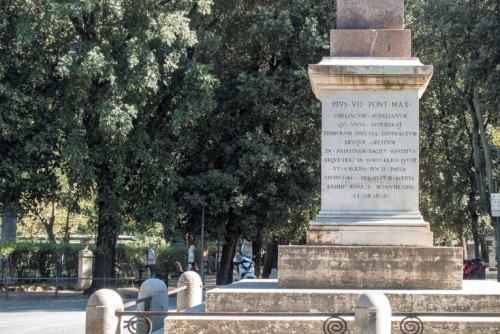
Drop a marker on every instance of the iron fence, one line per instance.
(10, 283)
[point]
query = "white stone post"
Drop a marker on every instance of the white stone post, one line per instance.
(372, 314)
(85, 264)
(192, 295)
(156, 289)
(100, 313)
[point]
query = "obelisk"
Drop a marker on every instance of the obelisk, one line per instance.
(370, 87)
(369, 232)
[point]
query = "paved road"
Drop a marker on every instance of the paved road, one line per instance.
(47, 316)
(53, 316)
(21, 314)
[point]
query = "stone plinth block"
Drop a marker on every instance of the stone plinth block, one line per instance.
(370, 267)
(369, 14)
(263, 295)
(370, 43)
(255, 324)
(186, 324)
(366, 233)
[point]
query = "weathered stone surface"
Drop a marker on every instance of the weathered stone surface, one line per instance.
(193, 294)
(100, 313)
(372, 314)
(370, 43)
(353, 234)
(85, 265)
(185, 324)
(158, 291)
(369, 14)
(369, 74)
(370, 141)
(370, 267)
(265, 296)
(469, 325)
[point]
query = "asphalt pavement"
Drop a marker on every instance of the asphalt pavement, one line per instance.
(23, 315)
(40, 312)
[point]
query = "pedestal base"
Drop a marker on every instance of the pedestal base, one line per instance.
(394, 232)
(370, 267)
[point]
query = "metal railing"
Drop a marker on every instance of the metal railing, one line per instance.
(9, 282)
(335, 323)
(138, 322)
(413, 324)
(140, 319)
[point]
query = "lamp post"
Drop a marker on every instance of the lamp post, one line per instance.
(202, 257)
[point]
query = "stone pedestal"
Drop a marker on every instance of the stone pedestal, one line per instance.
(370, 152)
(369, 232)
(85, 266)
(370, 267)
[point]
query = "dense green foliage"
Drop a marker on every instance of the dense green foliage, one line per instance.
(23, 259)
(262, 141)
(39, 259)
(143, 114)
(460, 114)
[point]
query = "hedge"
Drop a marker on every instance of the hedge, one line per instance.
(23, 259)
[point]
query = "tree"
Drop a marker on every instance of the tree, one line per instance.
(456, 41)
(263, 139)
(121, 67)
(29, 134)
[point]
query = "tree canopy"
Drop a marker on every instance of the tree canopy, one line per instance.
(155, 111)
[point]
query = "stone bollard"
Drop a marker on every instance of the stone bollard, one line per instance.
(372, 314)
(100, 313)
(191, 296)
(156, 289)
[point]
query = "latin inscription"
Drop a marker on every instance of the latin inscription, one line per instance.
(370, 151)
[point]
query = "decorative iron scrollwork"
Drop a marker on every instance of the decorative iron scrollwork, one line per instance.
(141, 323)
(334, 325)
(411, 325)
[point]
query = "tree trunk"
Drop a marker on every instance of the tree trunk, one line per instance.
(475, 231)
(484, 139)
(484, 250)
(9, 227)
(462, 242)
(108, 226)
(271, 259)
(225, 273)
(497, 248)
(48, 224)
(67, 235)
(256, 250)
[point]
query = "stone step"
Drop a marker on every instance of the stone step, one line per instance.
(265, 296)
(290, 324)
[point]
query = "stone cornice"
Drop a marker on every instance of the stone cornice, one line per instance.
(335, 73)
